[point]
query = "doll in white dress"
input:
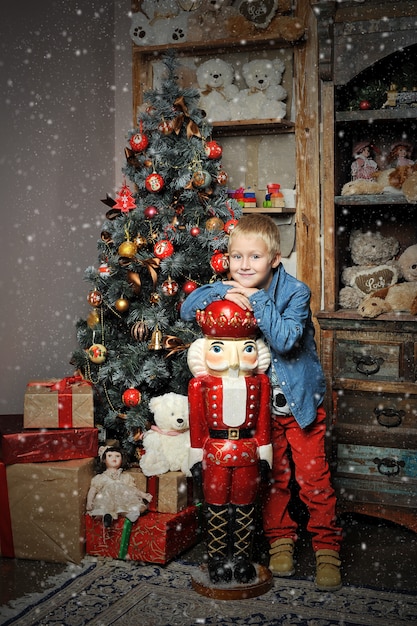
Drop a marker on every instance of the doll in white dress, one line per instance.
(113, 491)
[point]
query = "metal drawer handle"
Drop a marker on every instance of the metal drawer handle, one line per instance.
(390, 418)
(368, 365)
(389, 467)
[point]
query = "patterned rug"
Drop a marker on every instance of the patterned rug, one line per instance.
(117, 593)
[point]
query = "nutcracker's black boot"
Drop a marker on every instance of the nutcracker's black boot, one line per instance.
(242, 534)
(218, 563)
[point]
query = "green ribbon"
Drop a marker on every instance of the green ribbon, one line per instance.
(124, 542)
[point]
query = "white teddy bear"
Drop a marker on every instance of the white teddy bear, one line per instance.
(167, 443)
(263, 99)
(158, 22)
(215, 80)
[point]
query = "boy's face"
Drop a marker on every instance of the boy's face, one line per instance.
(250, 261)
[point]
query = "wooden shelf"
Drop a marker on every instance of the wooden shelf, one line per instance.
(268, 210)
(369, 200)
(374, 115)
(252, 127)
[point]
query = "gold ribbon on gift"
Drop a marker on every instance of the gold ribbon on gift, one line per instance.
(152, 265)
(191, 128)
(174, 345)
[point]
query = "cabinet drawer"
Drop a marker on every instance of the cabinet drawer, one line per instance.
(374, 461)
(376, 418)
(368, 360)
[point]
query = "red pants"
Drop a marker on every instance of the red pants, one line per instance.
(313, 477)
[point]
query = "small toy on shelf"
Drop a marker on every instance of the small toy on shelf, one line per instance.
(364, 166)
(400, 154)
(113, 491)
(374, 267)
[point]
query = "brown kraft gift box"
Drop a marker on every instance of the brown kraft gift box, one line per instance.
(170, 491)
(47, 510)
(59, 403)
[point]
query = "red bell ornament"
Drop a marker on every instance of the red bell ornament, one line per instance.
(213, 150)
(131, 397)
(139, 142)
(219, 262)
(154, 182)
(163, 249)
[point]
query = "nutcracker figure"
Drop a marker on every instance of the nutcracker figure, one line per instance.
(231, 451)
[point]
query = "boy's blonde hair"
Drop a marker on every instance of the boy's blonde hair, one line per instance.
(258, 225)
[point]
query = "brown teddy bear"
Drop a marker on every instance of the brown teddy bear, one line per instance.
(374, 267)
(400, 297)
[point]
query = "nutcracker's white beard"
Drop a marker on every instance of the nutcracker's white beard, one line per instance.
(234, 399)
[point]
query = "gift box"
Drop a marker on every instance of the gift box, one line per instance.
(43, 510)
(65, 403)
(40, 445)
(170, 491)
(154, 537)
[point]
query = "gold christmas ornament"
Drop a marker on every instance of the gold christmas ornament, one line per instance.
(214, 224)
(122, 305)
(128, 249)
(156, 340)
(93, 318)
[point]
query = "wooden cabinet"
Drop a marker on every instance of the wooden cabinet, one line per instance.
(370, 364)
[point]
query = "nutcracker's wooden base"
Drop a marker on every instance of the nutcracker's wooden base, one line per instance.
(232, 591)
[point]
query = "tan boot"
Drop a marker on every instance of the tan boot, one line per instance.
(281, 562)
(328, 570)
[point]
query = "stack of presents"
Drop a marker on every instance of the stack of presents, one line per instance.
(47, 461)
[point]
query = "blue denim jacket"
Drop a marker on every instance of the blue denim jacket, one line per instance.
(284, 317)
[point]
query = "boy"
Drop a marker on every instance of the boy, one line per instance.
(281, 305)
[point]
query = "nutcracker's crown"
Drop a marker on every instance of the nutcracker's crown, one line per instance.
(225, 319)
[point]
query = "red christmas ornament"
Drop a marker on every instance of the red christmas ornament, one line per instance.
(95, 298)
(364, 105)
(150, 212)
(104, 270)
(163, 249)
(166, 127)
(170, 287)
(195, 231)
(229, 226)
(154, 182)
(131, 397)
(213, 150)
(222, 177)
(138, 142)
(124, 200)
(189, 286)
(219, 262)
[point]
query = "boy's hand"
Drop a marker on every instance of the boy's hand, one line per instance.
(239, 295)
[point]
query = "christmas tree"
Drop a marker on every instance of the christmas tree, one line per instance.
(159, 241)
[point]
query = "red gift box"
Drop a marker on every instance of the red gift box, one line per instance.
(154, 538)
(39, 445)
(65, 403)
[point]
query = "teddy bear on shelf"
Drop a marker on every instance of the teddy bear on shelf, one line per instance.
(264, 95)
(215, 81)
(113, 491)
(167, 442)
(158, 22)
(401, 297)
(374, 267)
